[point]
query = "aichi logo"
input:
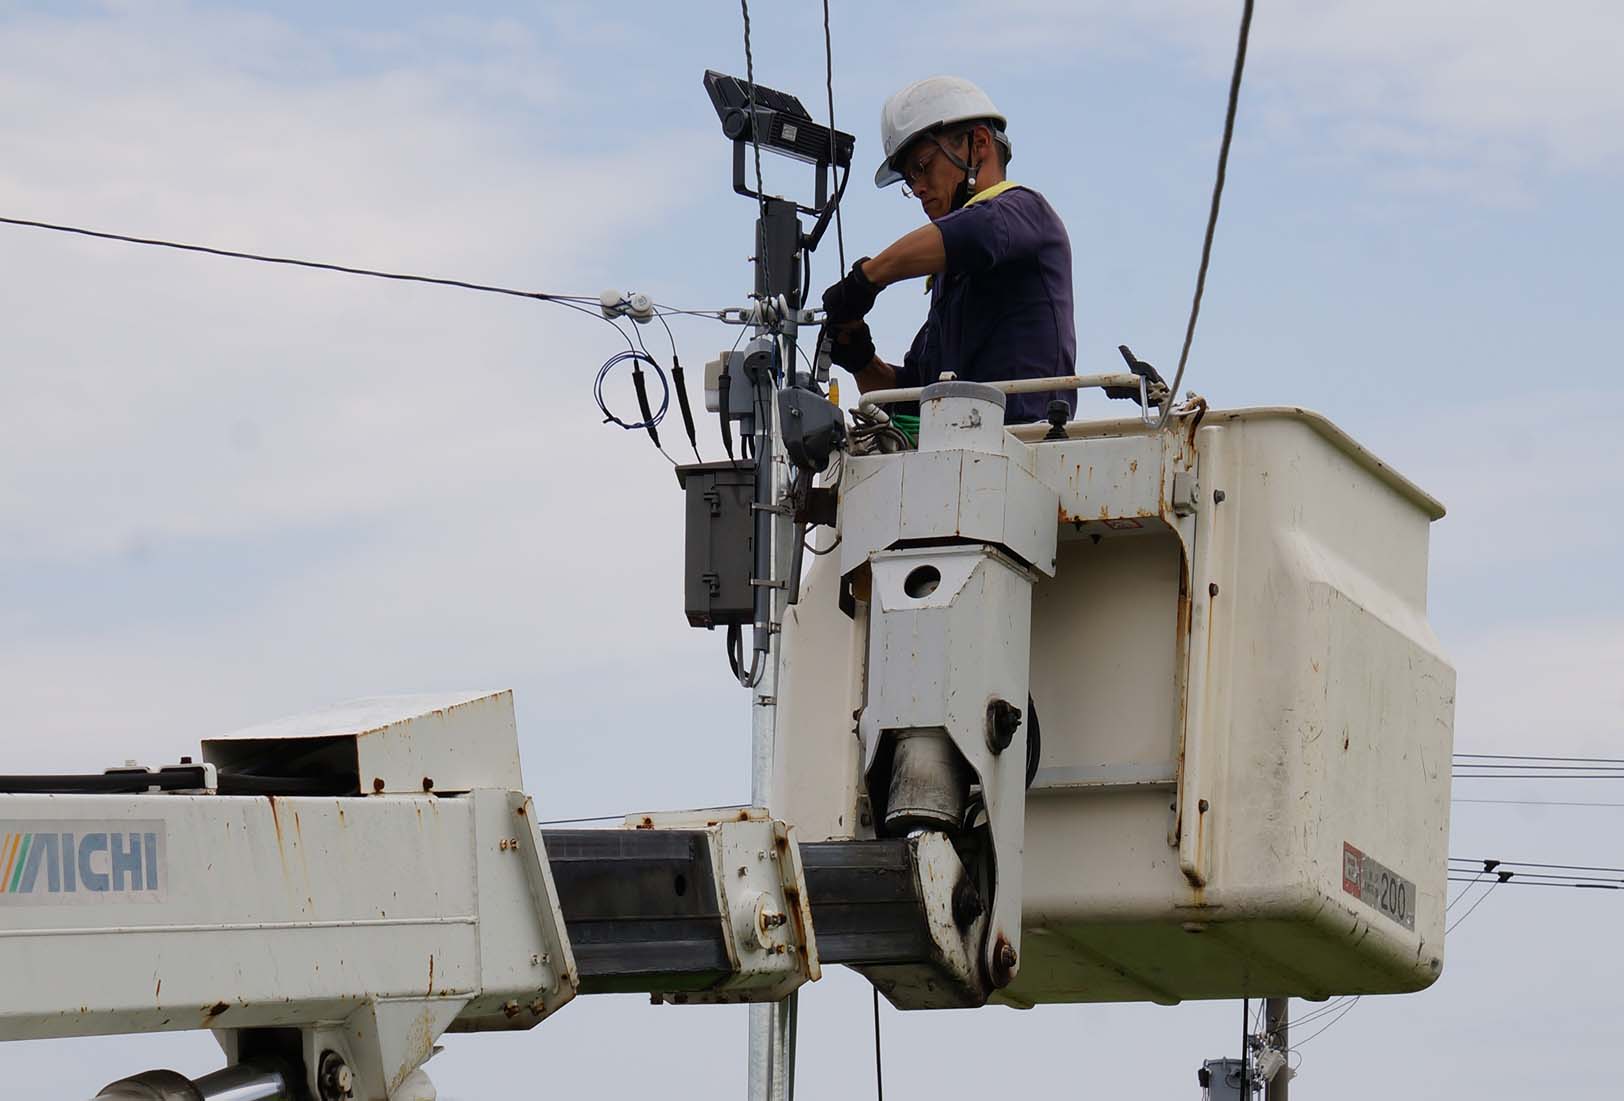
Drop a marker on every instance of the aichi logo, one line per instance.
(65, 862)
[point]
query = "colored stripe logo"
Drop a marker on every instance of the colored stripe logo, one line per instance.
(82, 862)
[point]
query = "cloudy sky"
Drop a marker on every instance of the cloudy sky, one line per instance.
(232, 492)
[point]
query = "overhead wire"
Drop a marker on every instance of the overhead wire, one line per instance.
(1217, 198)
(582, 303)
(1529, 757)
(319, 265)
(879, 1071)
(755, 141)
(1537, 802)
(1491, 865)
(1321, 1030)
(1473, 907)
(829, 84)
(1613, 775)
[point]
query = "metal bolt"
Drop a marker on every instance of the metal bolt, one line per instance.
(334, 1079)
(1006, 956)
(1202, 806)
(1212, 588)
(967, 904)
(1003, 719)
(1217, 496)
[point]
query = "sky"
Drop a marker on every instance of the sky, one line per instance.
(233, 492)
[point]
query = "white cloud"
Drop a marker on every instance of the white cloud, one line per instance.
(1467, 89)
(259, 398)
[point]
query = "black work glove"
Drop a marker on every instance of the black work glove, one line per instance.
(851, 347)
(852, 297)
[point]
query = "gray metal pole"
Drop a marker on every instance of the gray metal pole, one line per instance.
(778, 237)
(1276, 1018)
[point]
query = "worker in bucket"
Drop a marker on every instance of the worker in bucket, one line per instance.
(994, 254)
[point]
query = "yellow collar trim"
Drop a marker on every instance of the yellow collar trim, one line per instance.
(992, 192)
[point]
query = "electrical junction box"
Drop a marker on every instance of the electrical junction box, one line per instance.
(1247, 721)
(717, 556)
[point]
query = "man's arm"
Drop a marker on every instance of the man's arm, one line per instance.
(919, 252)
(878, 375)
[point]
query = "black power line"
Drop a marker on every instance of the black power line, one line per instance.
(345, 269)
(1217, 198)
(829, 84)
(1464, 758)
(879, 1073)
(755, 142)
(1537, 802)
(1618, 775)
(1491, 865)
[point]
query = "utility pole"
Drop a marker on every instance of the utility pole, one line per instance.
(778, 243)
(1276, 1020)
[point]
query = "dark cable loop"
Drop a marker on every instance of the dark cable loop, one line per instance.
(631, 356)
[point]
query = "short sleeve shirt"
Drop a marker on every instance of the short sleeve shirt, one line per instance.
(1002, 306)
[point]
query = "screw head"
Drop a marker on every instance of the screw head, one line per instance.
(1003, 719)
(334, 1078)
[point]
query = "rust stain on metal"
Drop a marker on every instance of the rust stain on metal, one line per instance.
(1195, 420)
(377, 785)
(276, 819)
(428, 783)
(214, 1011)
(521, 811)
(1182, 641)
(431, 975)
(646, 824)
(157, 990)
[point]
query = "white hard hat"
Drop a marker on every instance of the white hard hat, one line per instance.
(927, 105)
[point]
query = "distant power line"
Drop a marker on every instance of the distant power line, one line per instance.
(1516, 766)
(1528, 757)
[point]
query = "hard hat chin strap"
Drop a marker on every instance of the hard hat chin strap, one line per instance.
(967, 186)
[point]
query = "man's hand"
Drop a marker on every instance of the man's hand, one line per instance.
(851, 346)
(851, 298)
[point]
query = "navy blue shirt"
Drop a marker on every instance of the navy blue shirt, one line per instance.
(1002, 307)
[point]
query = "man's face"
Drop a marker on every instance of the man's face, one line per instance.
(930, 175)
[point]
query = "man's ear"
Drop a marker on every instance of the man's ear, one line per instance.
(981, 144)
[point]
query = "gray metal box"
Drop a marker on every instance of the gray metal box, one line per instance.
(717, 553)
